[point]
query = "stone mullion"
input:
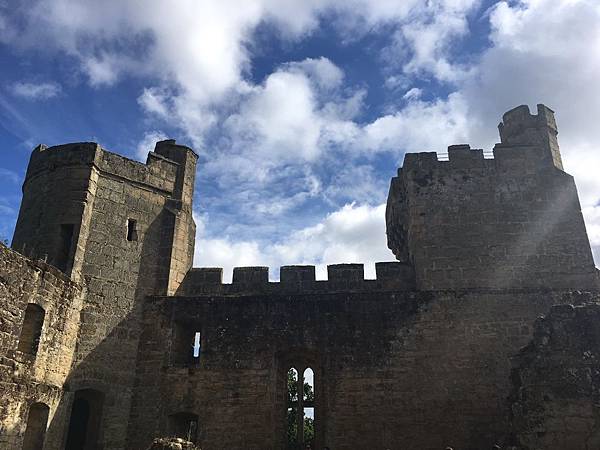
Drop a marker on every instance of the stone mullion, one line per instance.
(300, 415)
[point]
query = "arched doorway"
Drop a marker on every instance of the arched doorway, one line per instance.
(37, 421)
(86, 416)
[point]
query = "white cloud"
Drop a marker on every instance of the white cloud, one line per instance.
(36, 91)
(200, 49)
(413, 94)
(420, 126)
(147, 144)
(154, 101)
(591, 215)
(102, 71)
(280, 118)
(324, 73)
(354, 233)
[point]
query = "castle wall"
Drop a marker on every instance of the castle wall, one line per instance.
(513, 221)
(25, 378)
(417, 358)
(556, 382)
(394, 367)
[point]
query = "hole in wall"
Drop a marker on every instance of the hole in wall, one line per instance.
(132, 234)
(31, 331)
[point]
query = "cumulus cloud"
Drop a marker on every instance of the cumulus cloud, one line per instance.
(354, 233)
(36, 91)
(420, 126)
(324, 73)
(201, 49)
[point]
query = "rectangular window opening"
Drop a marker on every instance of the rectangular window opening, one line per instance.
(132, 230)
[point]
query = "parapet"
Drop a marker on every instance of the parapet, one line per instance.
(527, 142)
(162, 170)
(520, 127)
(298, 279)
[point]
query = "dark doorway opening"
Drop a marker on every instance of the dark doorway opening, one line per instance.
(37, 421)
(86, 418)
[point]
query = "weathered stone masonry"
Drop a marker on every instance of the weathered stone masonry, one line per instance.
(419, 358)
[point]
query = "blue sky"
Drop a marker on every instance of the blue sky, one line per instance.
(301, 110)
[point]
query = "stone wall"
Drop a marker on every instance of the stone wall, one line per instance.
(556, 382)
(27, 378)
(393, 368)
(511, 221)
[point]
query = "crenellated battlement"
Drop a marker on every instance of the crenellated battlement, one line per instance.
(160, 172)
(294, 279)
(503, 157)
(519, 126)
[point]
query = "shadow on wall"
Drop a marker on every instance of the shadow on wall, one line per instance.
(94, 410)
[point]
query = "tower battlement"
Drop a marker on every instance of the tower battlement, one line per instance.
(160, 172)
(519, 126)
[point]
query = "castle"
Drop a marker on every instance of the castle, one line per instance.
(109, 337)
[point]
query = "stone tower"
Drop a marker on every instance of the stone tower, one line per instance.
(124, 230)
(511, 221)
(520, 127)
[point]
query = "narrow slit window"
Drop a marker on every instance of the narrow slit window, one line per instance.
(31, 332)
(196, 347)
(186, 346)
(132, 230)
(65, 244)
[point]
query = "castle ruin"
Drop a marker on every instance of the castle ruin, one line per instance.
(110, 338)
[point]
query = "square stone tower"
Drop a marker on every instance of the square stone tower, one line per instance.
(511, 221)
(122, 229)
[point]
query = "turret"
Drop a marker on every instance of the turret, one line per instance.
(520, 127)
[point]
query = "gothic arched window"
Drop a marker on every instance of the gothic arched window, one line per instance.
(300, 408)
